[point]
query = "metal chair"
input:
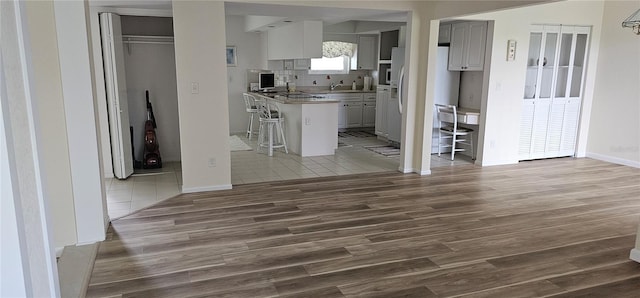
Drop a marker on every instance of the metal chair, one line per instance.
(252, 109)
(449, 129)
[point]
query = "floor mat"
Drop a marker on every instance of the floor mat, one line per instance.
(356, 134)
(236, 144)
(384, 150)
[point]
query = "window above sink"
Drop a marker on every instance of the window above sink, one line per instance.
(336, 58)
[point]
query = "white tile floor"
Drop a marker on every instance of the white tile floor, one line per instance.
(252, 166)
(151, 186)
(144, 188)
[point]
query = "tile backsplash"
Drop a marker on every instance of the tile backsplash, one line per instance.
(303, 78)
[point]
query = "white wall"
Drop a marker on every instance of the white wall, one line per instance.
(152, 67)
(76, 73)
(50, 105)
(249, 56)
(28, 222)
(506, 80)
(470, 89)
(200, 44)
(614, 131)
(12, 268)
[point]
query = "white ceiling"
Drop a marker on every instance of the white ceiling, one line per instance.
(290, 12)
(326, 14)
(148, 4)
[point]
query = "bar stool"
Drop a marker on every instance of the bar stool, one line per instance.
(270, 118)
(252, 109)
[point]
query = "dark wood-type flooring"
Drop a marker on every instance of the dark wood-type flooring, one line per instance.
(560, 227)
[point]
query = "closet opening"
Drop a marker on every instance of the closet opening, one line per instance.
(142, 106)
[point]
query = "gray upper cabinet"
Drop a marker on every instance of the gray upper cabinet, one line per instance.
(295, 41)
(444, 35)
(388, 40)
(467, 48)
(367, 52)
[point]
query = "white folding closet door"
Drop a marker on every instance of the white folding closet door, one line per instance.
(116, 85)
(553, 91)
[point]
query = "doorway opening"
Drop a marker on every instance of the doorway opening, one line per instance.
(140, 77)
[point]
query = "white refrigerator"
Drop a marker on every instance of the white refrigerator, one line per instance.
(447, 90)
(394, 107)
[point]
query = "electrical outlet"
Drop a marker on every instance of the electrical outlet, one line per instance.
(195, 88)
(212, 162)
(307, 121)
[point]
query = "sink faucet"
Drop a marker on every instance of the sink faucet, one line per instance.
(333, 86)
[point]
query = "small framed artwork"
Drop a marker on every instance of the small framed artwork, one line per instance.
(232, 56)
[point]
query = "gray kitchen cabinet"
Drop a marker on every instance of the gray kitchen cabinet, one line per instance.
(354, 114)
(302, 64)
(388, 40)
(467, 47)
(295, 41)
(367, 52)
(349, 109)
(342, 115)
(444, 34)
(368, 113)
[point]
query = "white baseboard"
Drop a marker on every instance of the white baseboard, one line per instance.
(405, 170)
(616, 160)
(59, 251)
(425, 172)
(485, 163)
(206, 188)
(635, 255)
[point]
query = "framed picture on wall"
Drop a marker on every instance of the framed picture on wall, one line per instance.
(232, 57)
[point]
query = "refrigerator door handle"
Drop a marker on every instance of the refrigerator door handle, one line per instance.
(400, 81)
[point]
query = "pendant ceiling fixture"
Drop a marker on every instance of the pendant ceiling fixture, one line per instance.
(633, 22)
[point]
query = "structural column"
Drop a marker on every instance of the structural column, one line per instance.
(28, 265)
(79, 104)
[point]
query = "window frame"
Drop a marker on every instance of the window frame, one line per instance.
(345, 67)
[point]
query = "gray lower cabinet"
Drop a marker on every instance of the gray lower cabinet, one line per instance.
(354, 114)
(369, 114)
(356, 110)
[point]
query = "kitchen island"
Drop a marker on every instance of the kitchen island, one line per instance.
(310, 121)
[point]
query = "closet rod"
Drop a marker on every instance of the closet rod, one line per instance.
(147, 42)
(150, 39)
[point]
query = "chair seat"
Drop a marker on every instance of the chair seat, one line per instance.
(460, 129)
(451, 132)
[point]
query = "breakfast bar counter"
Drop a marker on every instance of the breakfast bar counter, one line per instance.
(310, 121)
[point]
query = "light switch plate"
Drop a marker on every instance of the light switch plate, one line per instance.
(511, 50)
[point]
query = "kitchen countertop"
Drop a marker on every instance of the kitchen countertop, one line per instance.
(295, 98)
(324, 91)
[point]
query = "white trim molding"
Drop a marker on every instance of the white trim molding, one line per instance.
(206, 188)
(616, 160)
(635, 255)
(425, 172)
(406, 170)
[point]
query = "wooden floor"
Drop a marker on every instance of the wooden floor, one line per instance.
(561, 227)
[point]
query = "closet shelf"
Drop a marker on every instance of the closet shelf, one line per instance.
(147, 39)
